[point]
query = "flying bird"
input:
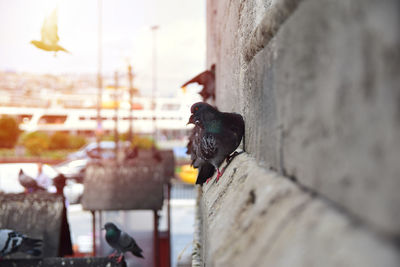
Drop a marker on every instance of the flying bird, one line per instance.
(49, 41)
(215, 136)
(207, 79)
(28, 182)
(121, 242)
(12, 242)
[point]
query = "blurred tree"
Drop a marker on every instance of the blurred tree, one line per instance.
(59, 140)
(142, 142)
(9, 132)
(36, 142)
(77, 141)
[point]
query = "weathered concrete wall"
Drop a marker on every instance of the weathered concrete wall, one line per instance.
(318, 83)
(37, 215)
(255, 217)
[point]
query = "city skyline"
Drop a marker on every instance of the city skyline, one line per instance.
(127, 38)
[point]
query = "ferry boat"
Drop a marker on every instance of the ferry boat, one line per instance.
(169, 117)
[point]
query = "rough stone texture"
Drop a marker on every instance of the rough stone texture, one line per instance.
(37, 215)
(340, 114)
(318, 84)
(257, 218)
(321, 101)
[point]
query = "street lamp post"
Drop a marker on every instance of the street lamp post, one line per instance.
(99, 76)
(154, 89)
(116, 104)
(99, 102)
(130, 78)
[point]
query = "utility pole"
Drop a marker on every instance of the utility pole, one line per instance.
(116, 103)
(99, 76)
(130, 78)
(99, 127)
(154, 89)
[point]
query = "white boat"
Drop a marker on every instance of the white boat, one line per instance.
(171, 116)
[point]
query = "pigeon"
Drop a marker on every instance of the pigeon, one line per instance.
(207, 79)
(12, 241)
(28, 182)
(121, 242)
(49, 40)
(215, 136)
(206, 170)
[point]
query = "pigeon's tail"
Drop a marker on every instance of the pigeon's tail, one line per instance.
(205, 171)
(137, 251)
(30, 246)
(139, 254)
(34, 252)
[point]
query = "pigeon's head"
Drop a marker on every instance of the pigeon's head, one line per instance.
(198, 109)
(110, 228)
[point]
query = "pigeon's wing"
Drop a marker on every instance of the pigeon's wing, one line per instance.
(9, 241)
(124, 241)
(30, 246)
(49, 29)
(26, 180)
(201, 78)
(230, 136)
(127, 243)
(233, 124)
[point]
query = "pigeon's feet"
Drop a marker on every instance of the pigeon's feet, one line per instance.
(219, 174)
(112, 255)
(120, 258)
(208, 180)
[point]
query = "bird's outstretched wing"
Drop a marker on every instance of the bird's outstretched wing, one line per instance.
(50, 29)
(201, 78)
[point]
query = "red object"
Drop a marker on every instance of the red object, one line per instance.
(164, 251)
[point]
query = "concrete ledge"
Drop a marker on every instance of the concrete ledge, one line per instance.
(197, 253)
(254, 217)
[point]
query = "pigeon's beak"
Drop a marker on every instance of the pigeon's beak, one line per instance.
(191, 120)
(103, 228)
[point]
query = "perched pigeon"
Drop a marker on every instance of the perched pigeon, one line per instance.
(215, 136)
(11, 242)
(207, 79)
(49, 40)
(121, 242)
(206, 170)
(28, 182)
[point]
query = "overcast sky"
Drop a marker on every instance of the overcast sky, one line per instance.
(126, 38)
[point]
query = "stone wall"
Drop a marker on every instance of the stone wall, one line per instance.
(318, 83)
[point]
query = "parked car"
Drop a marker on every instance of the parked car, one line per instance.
(73, 169)
(91, 151)
(9, 180)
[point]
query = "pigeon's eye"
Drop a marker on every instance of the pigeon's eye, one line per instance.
(196, 108)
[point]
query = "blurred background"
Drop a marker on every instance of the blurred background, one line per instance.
(76, 75)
